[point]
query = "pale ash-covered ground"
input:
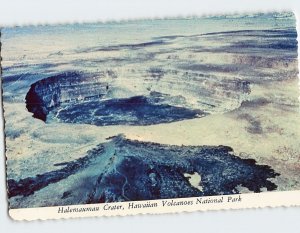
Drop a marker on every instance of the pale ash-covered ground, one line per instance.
(261, 125)
(276, 145)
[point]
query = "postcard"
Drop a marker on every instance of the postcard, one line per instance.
(151, 115)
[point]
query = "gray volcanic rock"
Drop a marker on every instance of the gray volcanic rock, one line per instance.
(137, 110)
(136, 170)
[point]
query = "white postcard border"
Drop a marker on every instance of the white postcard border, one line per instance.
(161, 206)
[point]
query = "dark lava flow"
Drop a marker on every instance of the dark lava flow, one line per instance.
(136, 170)
(137, 110)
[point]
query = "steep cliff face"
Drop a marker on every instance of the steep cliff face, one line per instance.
(51, 92)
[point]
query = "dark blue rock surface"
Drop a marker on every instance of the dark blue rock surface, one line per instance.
(138, 170)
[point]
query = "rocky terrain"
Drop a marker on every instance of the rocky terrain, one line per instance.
(192, 107)
(116, 171)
